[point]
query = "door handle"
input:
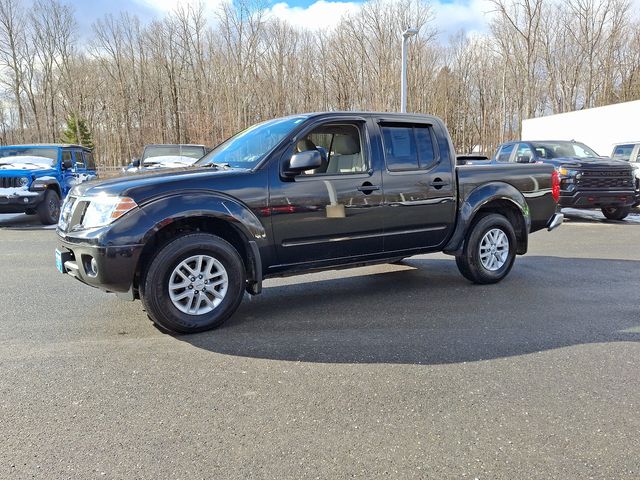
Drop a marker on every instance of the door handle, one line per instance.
(438, 183)
(367, 188)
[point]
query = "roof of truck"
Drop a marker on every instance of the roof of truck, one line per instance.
(44, 145)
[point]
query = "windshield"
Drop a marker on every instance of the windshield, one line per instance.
(152, 152)
(563, 149)
(28, 157)
(247, 148)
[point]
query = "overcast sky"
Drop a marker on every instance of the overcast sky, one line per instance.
(451, 15)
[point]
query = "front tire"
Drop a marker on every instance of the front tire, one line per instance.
(616, 213)
(49, 209)
(193, 284)
(489, 250)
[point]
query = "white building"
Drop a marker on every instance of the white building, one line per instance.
(600, 128)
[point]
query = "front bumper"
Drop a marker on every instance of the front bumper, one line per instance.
(597, 199)
(17, 203)
(113, 267)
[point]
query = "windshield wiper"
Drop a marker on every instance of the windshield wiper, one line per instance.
(221, 166)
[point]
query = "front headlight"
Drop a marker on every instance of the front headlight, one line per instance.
(103, 210)
(23, 181)
(566, 172)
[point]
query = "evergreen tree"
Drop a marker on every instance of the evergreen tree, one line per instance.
(77, 132)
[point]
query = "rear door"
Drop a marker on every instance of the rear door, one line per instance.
(419, 188)
(334, 211)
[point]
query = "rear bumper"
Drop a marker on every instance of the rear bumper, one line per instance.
(597, 199)
(113, 268)
(555, 221)
(19, 203)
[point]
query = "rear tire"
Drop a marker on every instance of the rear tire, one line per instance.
(49, 209)
(616, 213)
(193, 284)
(489, 250)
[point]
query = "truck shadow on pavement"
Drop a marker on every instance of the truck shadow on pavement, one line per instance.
(426, 313)
(20, 221)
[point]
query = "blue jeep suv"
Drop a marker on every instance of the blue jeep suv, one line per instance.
(35, 178)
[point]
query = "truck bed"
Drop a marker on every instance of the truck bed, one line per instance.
(532, 180)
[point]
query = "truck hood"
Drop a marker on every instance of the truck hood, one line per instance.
(26, 172)
(144, 185)
(587, 163)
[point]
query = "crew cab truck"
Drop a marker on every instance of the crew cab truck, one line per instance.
(297, 194)
(586, 180)
(34, 178)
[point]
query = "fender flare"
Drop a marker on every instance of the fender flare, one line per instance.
(166, 210)
(479, 198)
(41, 184)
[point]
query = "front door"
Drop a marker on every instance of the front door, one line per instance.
(334, 211)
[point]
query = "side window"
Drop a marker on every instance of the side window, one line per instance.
(88, 160)
(524, 154)
(408, 147)
(504, 153)
(623, 152)
(79, 159)
(340, 146)
(66, 157)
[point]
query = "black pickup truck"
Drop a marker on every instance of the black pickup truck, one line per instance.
(586, 180)
(292, 195)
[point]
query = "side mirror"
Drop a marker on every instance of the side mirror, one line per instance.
(304, 161)
(67, 164)
(135, 162)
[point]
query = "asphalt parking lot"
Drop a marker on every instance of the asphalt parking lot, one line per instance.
(396, 371)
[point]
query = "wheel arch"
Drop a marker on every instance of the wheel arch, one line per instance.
(495, 197)
(46, 184)
(220, 216)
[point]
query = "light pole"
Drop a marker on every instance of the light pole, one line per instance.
(408, 33)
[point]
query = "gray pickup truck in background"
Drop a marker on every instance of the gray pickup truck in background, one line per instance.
(587, 180)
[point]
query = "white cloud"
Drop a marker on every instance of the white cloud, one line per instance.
(317, 16)
(472, 16)
(166, 6)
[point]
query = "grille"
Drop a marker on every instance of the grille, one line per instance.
(605, 180)
(9, 182)
(72, 213)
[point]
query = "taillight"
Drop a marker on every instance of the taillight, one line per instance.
(555, 186)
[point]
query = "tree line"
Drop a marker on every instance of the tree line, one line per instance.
(191, 78)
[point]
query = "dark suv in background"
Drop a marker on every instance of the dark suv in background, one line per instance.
(586, 180)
